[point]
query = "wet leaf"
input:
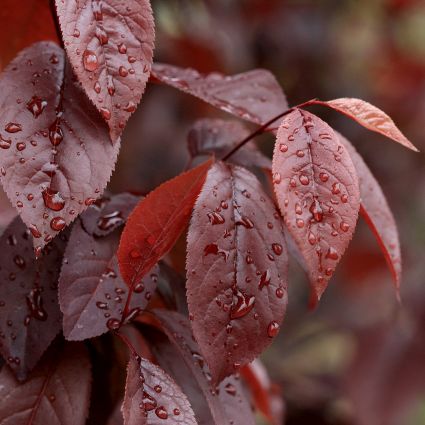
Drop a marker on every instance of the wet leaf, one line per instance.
(375, 210)
(56, 393)
(92, 293)
(152, 397)
(110, 46)
(56, 155)
(236, 269)
(368, 116)
(223, 404)
(317, 189)
(215, 136)
(29, 311)
(254, 95)
(156, 223)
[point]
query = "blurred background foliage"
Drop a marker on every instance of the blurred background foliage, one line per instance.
(359, 358)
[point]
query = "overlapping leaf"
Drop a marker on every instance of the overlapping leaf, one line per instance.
(223, 404)
(152, 397)
(156, 223)
(110, 46)
(254, 95)
(236, 269)
(29, 310)
(56, 393)
(317, 189)
(214, 136)
(56, 155)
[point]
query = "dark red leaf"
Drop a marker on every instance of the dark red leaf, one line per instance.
(226, 402)
(236, 269)
(152, 397)
(317, 189)
(254, 96)
(370, 117)
(107, 214)
(110, 46)
(156, 223)
(29, 310)
(14, 22)
(209, 136)
(375, 210)
(92, 293)
(56, 393)
(56, 153)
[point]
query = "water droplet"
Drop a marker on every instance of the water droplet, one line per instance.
(123, 71)
(324, 177)
(336, 188)
(106, 113)
(131, 107)
(300, 223)
(135, 253)
(55, 133)
(13, 127)
(230, 389)
(283, 148)
(57, 223)
(54, 59)
(215, 218)
(344, 199)
(110, 221)
(316, 210)
(277, 178)
(157, 388)
(273, 329)
(19, 261)
(20, 146)
(242, 304)
(35, 305)
(34, 231)
(304, 180)
(344, 226)
(312, 238)
(113, 324)
(101, 36)
(300, 154)
(5, 143)
(244, 221)
(36, 106)
(101, 305)
(161, 412)
(97, 87)
(277, 248)
(76, 33)
(264, 279)
(53, 199)
(176, 412)
(280, 292)
(122, 48)
(332, 254)
(298, 209)
(90, 60)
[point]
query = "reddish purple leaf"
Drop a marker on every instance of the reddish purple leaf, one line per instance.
(236, 269)
(226, 403)
(153, 398)
(92, 293)
(375, 210)
(156, 223)
(209, 136)
(107, 214)
(56, 393)
(110, 46)
(56, 153)
(29, 310)
(317, 189)
(369, 116)
(254, 95)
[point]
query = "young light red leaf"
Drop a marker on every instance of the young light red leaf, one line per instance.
(227, 402)
(56, 155)
(254, 95)
(56, 393)
(317, 189)
(215, 136)
(370, 117)
(110, 46)
(153, 398)
(92, 293)
(29, 310)
(236, 269)
(156, 223)
(375, 210)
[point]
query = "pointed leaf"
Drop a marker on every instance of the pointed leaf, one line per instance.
(368, 116)
(209, 136)
(153, 398)
(29, 311)
(156, 223)
(375, 210)
(254, 95)
(236, 269)
(56, 393)
(92, 293)
(317, 189)
(56, 155)
(227, 402)
(110, 46)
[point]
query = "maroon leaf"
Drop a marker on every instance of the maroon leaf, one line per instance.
(317, 189)
(92, 293)
(375, 210)
(110, 46)
(29, 311)
(153, 398)
(56, 393)
(236, 269)
(369, 116)
(209, 136)
(156, 223)
(106, 215)
(254, 96)
(56, 153)
(227, 402)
